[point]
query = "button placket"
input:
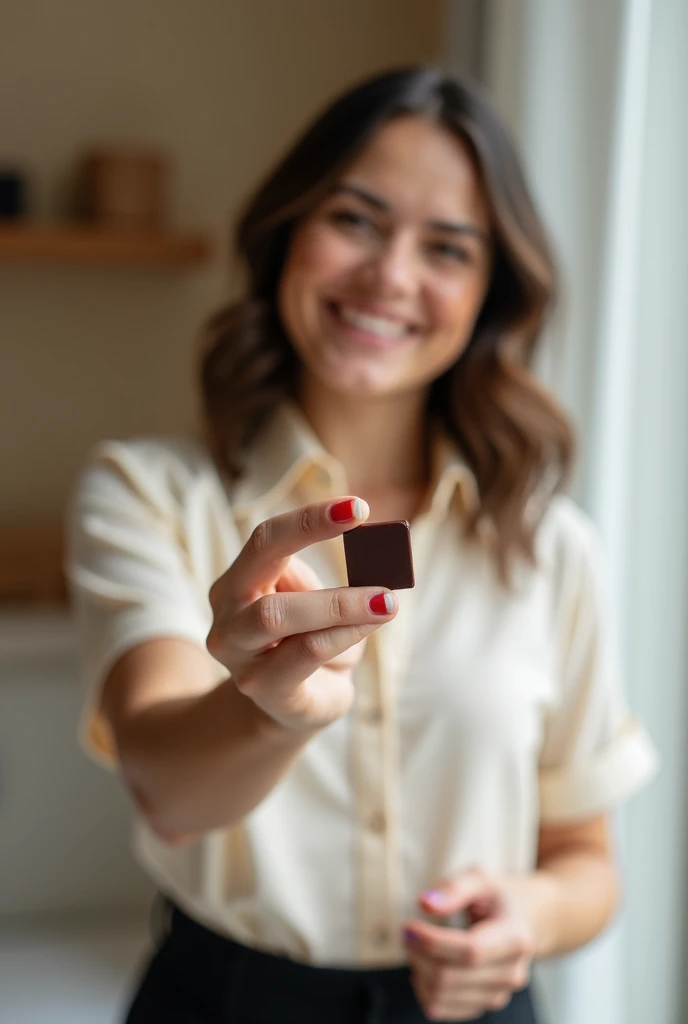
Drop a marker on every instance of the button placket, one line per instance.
(373, 716)
(376, 778)
(379, 804)
(370, 770)
(376, 823)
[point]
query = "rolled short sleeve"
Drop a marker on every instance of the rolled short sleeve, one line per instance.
(595, 753)
(127, 569)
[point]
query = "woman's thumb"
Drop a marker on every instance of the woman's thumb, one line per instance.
(459, 893)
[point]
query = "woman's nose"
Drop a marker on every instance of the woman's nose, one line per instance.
(394, 268)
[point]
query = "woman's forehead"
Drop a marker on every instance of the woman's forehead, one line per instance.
(419, 169)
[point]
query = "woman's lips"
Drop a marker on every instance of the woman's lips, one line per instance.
(370, 330)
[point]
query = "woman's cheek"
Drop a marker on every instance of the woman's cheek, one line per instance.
(458, 304)
(319, 253)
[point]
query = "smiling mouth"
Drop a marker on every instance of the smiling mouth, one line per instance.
(384, 328)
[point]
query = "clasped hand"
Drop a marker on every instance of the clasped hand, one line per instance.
(458, 974)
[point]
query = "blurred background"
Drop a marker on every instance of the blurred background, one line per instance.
(159, 117)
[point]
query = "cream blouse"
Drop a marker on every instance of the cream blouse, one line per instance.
(480, 713)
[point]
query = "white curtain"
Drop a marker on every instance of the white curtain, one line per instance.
(595, 93)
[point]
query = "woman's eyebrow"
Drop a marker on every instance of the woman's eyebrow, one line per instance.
(366, 197)
(382, 206)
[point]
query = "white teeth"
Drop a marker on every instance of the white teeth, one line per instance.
(375, 324)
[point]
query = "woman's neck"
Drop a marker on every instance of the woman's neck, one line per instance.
(381, 442)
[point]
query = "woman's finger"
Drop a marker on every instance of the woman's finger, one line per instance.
(299, 576)
(442, 998)
(298, 657)
(474, 886)
(466, 1006)
(273, 617)
(279, 682)
(348, 659)
(450, 977)
(490, 941)
(498, 939)
(264, 557)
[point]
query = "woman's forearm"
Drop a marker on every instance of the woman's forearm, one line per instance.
(569, 899)
(198, 763)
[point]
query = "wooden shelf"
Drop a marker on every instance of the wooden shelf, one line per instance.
(99, 246)
(31, 566)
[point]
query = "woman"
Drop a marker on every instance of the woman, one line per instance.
(361, 805)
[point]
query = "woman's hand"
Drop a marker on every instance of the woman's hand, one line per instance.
(459, 974)
(288, 643)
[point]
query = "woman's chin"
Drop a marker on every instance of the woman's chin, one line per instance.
(359, 382)
(352, 374)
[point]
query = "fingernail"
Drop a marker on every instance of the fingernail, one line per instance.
(435, 897)
(345, 511)
(382, 604)
(411, 937)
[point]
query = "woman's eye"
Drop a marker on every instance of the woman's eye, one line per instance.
(451, 253)
(351, 219)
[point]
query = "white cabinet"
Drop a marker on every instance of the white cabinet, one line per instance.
(64, 821)
(73, 903)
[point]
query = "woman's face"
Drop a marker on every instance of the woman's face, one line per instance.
(384, 280)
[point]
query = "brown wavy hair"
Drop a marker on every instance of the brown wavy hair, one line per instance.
(514, 436)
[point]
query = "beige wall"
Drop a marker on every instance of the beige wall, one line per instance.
(222, 85)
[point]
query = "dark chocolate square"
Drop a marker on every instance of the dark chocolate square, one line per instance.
(379, 555)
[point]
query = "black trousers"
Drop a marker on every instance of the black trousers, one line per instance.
(199, 977)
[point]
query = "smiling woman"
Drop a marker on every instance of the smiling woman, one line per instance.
(395, 261)
(397, 246)
(326, 775)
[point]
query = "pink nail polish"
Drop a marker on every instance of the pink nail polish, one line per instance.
(435, 897)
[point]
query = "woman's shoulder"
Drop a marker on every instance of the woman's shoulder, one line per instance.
(163, 470)
(158, 454)
(567, 538)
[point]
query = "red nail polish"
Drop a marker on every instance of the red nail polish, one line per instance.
(345, 511)
(381, 604)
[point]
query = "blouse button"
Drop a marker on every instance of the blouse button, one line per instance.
(377, 822)
(374, 716)
(380, 935)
